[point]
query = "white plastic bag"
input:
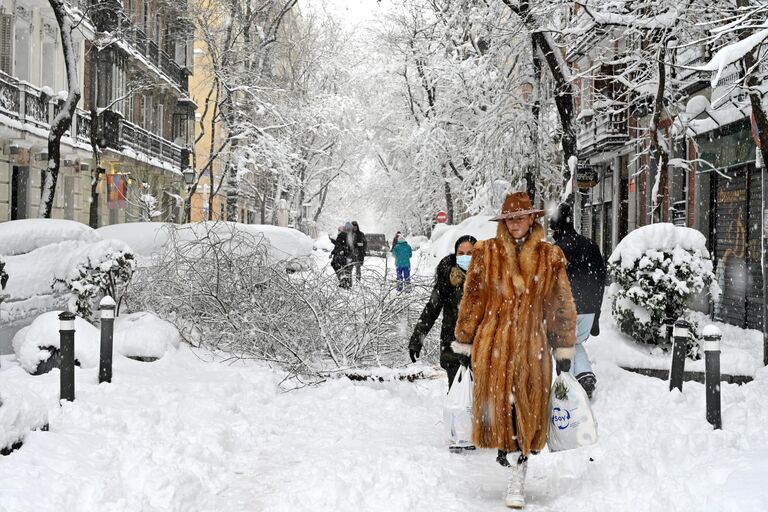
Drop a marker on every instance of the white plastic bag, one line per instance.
(571, 421)
(457, 414)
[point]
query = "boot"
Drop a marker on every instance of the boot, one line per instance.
(588, 381)
(515, 497)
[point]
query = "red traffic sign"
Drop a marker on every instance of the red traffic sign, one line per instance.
(441, 217)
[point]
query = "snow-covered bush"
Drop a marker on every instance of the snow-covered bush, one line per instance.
(37, 346)
(226, 293)
(655, 270)
(106, 268)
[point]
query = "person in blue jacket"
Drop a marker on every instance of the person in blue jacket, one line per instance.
(403, 252)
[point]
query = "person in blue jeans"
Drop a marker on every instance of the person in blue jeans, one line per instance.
(403, 252)
(586, 272)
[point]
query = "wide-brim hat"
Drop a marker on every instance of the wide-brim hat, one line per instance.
(516, 205)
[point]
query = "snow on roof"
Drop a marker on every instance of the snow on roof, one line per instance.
(662, 237)
(23, 236)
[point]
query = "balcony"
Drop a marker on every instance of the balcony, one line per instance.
(603, 129)
(119, 134)
(32, 107)
(148, 48)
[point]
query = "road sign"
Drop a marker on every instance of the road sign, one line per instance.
(441, 217)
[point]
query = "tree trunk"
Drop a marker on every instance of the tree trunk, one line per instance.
(563, 99)
(63, 119)
(655, 131)
(93, 210)
(449, 209)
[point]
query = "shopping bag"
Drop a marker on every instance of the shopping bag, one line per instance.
(571, 421)
(457, 414)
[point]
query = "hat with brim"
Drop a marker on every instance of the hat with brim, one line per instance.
(517, 205)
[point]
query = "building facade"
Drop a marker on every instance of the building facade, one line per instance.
(713, 183)
(131, 133)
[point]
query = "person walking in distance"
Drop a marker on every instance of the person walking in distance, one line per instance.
(517, 305)
(586, 272)
(359, 248)
(403, 252)
(340, 258)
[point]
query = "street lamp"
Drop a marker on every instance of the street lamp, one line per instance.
(189, 176)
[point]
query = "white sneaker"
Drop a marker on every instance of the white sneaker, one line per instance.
(515, 497)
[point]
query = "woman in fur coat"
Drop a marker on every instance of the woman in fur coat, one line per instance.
(517, 305)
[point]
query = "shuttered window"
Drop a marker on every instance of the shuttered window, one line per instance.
(6, 42)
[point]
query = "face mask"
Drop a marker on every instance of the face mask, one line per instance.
(463, 261)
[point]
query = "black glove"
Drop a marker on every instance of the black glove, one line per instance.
(414, 354)
(464, 360)
(562, 365)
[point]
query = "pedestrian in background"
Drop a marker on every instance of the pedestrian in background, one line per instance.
(586, 272)
(403, 252)
(340, 258)
(359, 248)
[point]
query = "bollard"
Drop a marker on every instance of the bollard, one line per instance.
(107, 314)
(67, 348)
(711, 336)
(681, 333)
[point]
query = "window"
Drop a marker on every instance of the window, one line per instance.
(6, 42)
(21, 46)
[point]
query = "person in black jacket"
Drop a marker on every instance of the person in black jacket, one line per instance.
(586, 271)
(359, 248)
(341, 258)
(446, 296)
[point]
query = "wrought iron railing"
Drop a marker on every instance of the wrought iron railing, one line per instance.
(9, 96)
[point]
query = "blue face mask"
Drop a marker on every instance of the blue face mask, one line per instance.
(463, 261)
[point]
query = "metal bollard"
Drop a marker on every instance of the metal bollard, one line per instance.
(681, 334)
(711, 336)
(107, 313)
(67, 348)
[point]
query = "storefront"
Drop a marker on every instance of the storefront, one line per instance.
(735, 224)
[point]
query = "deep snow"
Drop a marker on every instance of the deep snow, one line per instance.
(188, 434)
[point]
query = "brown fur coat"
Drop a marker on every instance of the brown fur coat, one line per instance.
(514, 304)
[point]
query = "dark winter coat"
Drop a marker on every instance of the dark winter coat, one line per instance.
(585, 269)
(341, 254)
(359, 245)
(446, 296)
(517, 304)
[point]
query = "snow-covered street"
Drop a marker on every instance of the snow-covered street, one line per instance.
(186, 434)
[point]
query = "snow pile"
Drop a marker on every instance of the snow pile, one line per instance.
(24, 236)
(144, 334)
(656, 269)
(284, 244)
(444, 236)
(37, 342)
(416, 241)
(187, 434)
(323, 242)
(144, 238)
(21, 410)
